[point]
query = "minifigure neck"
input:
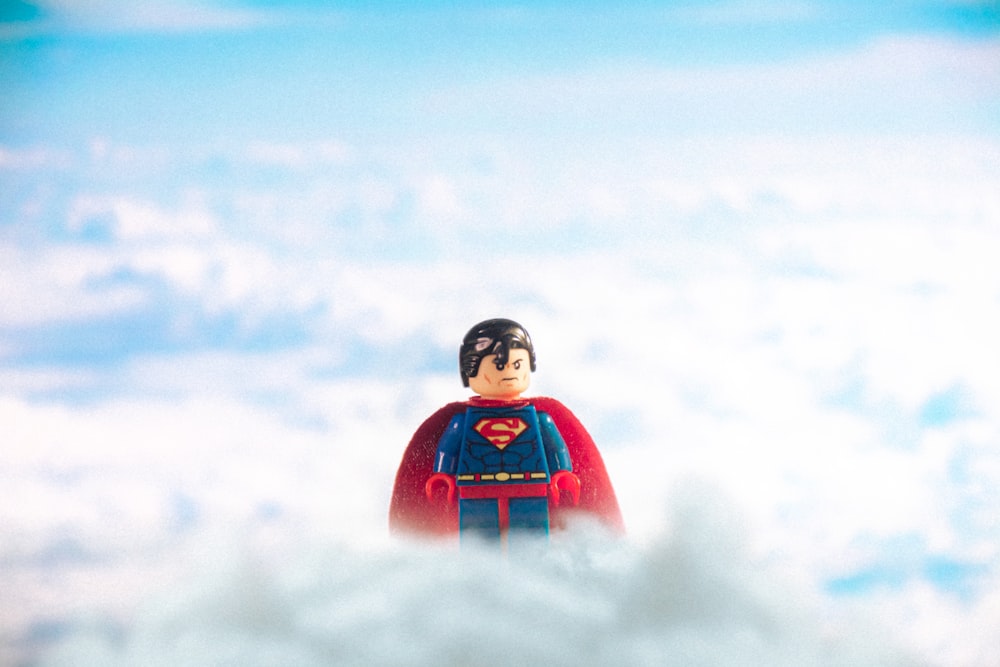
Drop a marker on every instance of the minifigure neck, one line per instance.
(496, 402)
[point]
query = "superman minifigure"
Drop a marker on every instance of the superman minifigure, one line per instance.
(513, 464)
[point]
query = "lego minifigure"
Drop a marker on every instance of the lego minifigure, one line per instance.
(514, 464)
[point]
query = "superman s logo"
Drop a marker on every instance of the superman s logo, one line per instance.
(501, 431)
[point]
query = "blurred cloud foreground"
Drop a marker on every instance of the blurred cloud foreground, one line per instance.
(753, 242)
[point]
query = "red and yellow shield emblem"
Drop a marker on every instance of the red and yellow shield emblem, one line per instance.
(501, 431)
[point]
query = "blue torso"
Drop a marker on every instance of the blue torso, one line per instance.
(501, 444)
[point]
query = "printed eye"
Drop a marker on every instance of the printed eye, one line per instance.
(517, 365)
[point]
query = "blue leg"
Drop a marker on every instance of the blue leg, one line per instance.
(529, 520)
(479, 518)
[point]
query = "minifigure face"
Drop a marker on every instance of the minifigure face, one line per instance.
(507, 382)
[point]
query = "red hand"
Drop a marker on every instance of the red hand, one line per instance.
(436, 480)
(565, 481)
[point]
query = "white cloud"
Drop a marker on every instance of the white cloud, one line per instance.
(297, 156)
(437, 199)
(34, 158)
(769, 314)
(131, 220)
(178, 490)
(42, 286)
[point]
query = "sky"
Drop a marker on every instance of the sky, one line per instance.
(753, 243)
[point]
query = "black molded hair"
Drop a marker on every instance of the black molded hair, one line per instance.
(496, 336)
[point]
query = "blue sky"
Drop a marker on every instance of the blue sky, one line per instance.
(152, 72)
(754, 243)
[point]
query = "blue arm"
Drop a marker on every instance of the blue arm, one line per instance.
(556, 453)
(446, 457)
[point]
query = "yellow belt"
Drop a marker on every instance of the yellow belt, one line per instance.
(503, 477)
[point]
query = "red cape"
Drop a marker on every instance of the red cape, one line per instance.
(411, 512)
